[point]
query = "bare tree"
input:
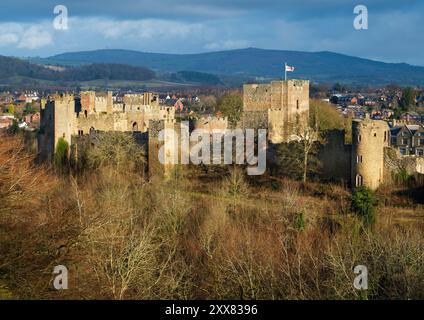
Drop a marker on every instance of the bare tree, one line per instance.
(308, 136)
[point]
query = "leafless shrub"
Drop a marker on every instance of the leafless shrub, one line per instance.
(125, 238)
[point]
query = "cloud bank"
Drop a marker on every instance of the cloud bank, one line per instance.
(191, 26)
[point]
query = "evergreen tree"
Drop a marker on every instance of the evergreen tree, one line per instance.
(363, 204)
(408, 99)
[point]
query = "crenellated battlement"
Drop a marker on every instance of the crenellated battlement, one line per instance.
(62, 98)
(213, 119)
(210, 123)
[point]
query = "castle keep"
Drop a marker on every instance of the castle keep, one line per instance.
(285, 104)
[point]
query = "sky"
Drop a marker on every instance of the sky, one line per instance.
(395, 28)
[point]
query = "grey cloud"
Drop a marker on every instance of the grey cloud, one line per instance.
(189, 26)
(192, 9)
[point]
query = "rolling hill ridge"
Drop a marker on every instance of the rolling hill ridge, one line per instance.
(253, 63)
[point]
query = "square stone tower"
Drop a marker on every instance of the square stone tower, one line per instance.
(286, 104)
(58, 120)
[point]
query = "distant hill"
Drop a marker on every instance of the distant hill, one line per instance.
(252, 63)
(13, 67)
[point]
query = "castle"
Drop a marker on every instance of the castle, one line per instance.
(281, 107)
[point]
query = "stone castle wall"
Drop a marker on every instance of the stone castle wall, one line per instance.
(156, 168)
(64, 116)
(256, 97)
(335, 157)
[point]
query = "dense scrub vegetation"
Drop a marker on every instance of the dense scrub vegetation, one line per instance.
(197, 235)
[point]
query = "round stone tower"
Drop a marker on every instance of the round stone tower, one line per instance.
(369, 138)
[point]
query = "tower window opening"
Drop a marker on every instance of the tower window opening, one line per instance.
(359, 180)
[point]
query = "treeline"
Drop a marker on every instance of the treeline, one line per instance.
(107, 71)
(194, 76)
(11, 67)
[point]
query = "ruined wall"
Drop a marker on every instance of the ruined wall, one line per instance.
(278, 128)
(46, 133)
(61, 116)
(135, 101)
(155, 167)
(103, 102)
(254, 120)
(118, 107)
(92, 102)
(335, 157)
(395, 163)
(123, 121)
(87, 101)
(101, 122)
(156, 112)
(82, 144)
(419, 165)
